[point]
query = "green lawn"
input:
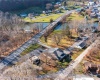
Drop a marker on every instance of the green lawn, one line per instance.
(43, 18)
(62, 65)
(30, 48)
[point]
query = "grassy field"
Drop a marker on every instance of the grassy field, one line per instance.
(46, 18)
(43, 18)
(75, 16)
(64, 42)
(30, 48)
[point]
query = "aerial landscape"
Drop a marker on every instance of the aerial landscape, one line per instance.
(49, 39)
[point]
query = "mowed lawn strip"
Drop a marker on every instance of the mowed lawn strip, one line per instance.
(30, 48)
(43, 18)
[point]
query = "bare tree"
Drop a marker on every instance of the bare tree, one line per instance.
(57, 38)
(11, 33)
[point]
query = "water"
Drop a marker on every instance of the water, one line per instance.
(41, 26)
(63, 26)
(29, 27)
(60, 26)
(95, 24)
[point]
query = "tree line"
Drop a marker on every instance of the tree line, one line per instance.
(12, 33)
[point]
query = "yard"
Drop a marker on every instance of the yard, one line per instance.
(60, 65)
(64, 41)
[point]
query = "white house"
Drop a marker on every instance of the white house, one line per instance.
(91, 3)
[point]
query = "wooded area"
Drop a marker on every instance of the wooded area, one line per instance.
(9, 5)
(12, 34)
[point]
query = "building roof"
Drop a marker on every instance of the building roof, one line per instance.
(80, 44)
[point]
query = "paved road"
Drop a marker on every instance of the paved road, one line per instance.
(72, 66)
(9, 59)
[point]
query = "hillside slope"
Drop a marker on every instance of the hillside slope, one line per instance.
(9, 5)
